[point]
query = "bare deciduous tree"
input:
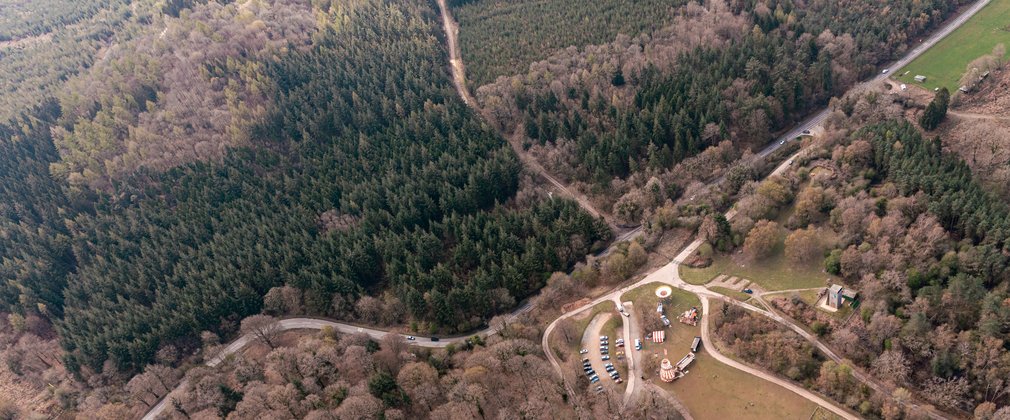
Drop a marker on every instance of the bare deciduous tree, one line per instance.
(263, 328)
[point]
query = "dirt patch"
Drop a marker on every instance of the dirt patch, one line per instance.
(991, 98)
(729, 282)
(26, 396)
(984, 144)
(568, 307)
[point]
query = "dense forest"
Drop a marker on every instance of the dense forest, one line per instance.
(923, 243)
(344, 184)
(189, 91)
(45, 42)
(642, 104)
(502, 38)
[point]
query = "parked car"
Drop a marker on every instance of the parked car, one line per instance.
(603, 337)
(748, 291)
(605, 357)
(594, 379)
(583, 351)
(638, 344)
(618, 380)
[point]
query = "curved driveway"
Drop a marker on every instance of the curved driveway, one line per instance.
(668, 274)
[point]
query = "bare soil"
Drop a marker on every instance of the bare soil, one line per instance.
(992, 97)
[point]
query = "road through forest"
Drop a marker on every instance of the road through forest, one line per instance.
(667, 274)
(670, 274)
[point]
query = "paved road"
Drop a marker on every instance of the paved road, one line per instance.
(667, 274)
(344, 328)
(632, 329)
(670, 273)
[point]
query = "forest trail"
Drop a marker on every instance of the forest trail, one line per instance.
(976, 116)
(451, 28)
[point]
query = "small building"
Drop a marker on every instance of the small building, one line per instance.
(838, 295)
(904, 87)
(920, 78)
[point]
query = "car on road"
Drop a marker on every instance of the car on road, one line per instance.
(781, 142)
(806, 131)
(434, 338)
(410, 337)
(790, 162)
(583, 351)
(748, 291)
(625, 314)
(885, 71)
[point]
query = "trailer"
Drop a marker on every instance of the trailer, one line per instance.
(695, 344)
(685, 362)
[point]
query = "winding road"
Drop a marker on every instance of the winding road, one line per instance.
(668, 274)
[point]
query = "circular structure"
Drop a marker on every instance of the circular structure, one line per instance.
(664, 291)
(666, 371)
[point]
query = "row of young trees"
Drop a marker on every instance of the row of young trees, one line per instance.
(46, 42)
(641, 105)
(358, 182)
(502, 38)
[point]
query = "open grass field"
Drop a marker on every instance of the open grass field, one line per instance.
(944, 64)
(772, 273)
(712, 390)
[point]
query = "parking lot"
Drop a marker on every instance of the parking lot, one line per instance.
(599, 353)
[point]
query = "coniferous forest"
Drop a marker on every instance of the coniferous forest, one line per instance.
(355, 183)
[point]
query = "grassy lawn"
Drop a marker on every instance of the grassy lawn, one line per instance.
(772, 273)
(741, 296)
(944, 64)
(712, 390)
